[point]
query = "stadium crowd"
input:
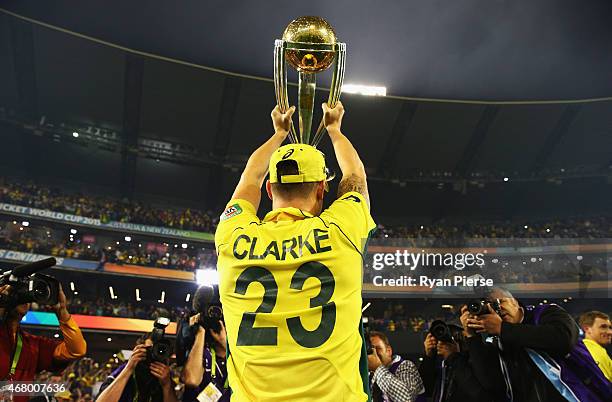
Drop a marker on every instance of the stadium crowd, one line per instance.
(150, 258)
(16, 237)
(49, 241)
(592, 227)
(84, 377)
(109, 209)
(104, 208)
(59, 243)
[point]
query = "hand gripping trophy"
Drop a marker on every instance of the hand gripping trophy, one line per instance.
(309, 45)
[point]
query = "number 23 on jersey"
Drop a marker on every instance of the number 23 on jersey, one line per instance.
(249, 335)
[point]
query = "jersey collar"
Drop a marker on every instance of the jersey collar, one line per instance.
(592, 342)
(286, 214)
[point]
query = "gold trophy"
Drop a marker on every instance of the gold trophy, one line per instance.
(309, 45)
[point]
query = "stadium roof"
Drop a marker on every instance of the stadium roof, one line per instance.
(75, 82)
(467, 49)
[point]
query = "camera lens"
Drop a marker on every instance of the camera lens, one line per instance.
(215, 311)
(40, 291)
(441, 331)
(161, 350)
(438, 331)
(477, 307)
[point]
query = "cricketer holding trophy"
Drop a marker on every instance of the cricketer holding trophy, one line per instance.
(290, 283)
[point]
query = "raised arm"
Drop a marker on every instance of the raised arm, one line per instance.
(73, 346)
(112, 389)
(249, 186)
(193, 372)
(353, 171)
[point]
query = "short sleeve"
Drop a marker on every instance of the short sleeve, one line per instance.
(238, 213)
(351, 214)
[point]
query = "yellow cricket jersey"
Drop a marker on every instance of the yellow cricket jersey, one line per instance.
(290, 286)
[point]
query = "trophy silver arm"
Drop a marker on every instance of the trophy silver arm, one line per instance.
(306, 98)
(334, 90)
(280, 83)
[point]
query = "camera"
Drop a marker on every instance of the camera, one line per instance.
(28, 286)
(210, 318)
(480, 306)
(210, 314)
(441, 331)
(161, 349)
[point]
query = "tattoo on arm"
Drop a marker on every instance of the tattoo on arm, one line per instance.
(354, 183)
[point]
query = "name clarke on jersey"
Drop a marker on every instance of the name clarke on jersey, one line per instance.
(294, 247)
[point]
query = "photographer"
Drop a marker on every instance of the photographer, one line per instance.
(205, 368)
(23, 355)
(392, 378)
(532, 354)
(446, 370)
(140, 379)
